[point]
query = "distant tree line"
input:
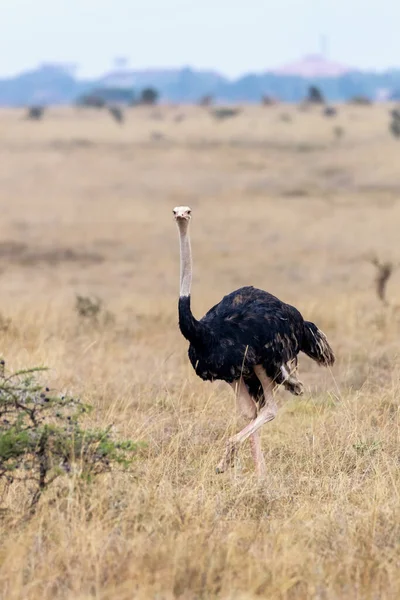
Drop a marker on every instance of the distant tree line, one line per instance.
(55, 86)
(108, 96)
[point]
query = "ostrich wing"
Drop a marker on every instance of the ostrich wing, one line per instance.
(249, 327)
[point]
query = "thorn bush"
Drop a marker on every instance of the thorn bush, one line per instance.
(91, 310)
(395, 127)
(225, 113)
(42, 438)
(384, 271)
(338, 132)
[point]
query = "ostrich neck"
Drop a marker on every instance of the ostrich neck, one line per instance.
(191, 329)
(186, 261)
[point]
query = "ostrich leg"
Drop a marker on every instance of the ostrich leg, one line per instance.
(267, 413)
(247, 407)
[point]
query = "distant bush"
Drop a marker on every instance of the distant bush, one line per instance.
(225, 113)
(395, 113)
(42, 438)
(179, 118)
(329, 111)
(115, 97)
(35, 113)
(206, 100)
(360, 100)
(268, 100)
(303, 106)
(384, 270)
(338, 132)
(91, 311)
(88, 308)
(149, 96)
(394, 128)
(107, 96)
(285, 118)
(91, 101)
(314, 95)
(117, 113)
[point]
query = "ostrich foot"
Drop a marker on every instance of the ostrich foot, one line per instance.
(228, 458)
(295, 386)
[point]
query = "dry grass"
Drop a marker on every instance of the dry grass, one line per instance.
(86, 209)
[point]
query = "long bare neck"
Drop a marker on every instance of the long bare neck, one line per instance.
(186, 260)
(191, 329)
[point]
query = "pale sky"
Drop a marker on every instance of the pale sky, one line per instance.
(230, 36)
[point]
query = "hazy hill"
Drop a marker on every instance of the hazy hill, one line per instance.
(45, 85)
(52, 84)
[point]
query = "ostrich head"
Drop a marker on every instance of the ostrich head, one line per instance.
(182, 214)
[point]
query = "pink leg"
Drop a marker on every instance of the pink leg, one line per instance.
(258, 456)
(267, 413)
(247, 408)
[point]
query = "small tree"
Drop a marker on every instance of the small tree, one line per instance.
(394, 127)
(207, 100)
(91, 101)
(330, 111)
(360, 100)
(268, 100)
(35, 113)
(117, 114)
(338, 132)
(314, 95)
(384, 270)
(149, 96)
(42, 438)
(225, 112)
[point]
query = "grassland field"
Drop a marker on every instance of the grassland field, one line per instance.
(286, 200)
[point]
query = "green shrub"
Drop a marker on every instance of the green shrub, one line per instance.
(395, 127)
(225, 112)
(91, 310)
(42, 437)
(315, 95)
(149, 96)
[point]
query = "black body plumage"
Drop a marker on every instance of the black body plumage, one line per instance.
(249, 327)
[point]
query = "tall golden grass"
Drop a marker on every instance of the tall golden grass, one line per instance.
(283, 205)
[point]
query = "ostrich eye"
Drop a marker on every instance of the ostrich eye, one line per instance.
(189, 212)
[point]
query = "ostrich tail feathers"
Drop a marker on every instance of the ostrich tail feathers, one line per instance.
(316, 345)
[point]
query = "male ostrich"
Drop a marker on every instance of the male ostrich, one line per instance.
(251, 340)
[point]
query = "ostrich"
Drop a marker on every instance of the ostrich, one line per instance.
(251, 340)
